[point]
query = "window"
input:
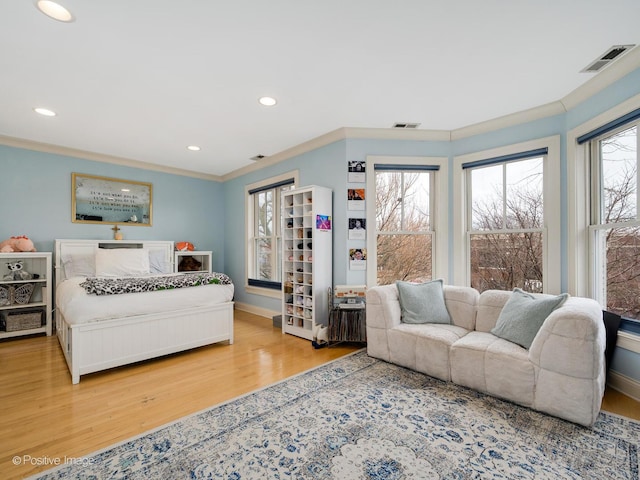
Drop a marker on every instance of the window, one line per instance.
(403, 226)
(507, 231)
(404, 240)
(505, 214)
(614, 220)
(264, 266)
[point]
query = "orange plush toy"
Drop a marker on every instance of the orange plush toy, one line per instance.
(184, 246)
(17, 244)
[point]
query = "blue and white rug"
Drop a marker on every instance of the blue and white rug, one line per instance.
(360, 418)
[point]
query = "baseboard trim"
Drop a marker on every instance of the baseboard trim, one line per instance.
(263, 312)
(624, 384)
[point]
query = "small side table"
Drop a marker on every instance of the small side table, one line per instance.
(347, 325)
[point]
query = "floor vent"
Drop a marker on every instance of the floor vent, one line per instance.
(606, 58)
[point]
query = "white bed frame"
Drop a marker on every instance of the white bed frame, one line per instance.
(106, 344)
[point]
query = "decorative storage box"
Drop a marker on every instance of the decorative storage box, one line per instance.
(21, 320)
(16, 294)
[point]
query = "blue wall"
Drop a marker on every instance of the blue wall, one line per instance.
(35, 189)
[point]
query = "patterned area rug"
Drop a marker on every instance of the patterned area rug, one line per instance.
(360, 418)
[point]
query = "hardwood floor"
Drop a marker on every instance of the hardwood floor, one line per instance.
(44, 418)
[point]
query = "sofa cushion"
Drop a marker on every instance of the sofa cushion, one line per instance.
(424, 347)
(423, 302)
(523, 315)
(490, 364)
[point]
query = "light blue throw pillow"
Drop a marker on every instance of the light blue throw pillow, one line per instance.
(523, 315)
(423, 302)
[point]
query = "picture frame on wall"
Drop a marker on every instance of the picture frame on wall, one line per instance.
(357, 228)
(111, 201)
(357, 171)
(357, 258)
(355, 198)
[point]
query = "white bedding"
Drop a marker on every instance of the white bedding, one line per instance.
(77, 306)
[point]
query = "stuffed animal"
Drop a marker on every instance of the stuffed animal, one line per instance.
(189, 264)
(184, 246)
(17, 272)
(17, 244)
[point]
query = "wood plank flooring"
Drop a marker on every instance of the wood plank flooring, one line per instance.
(44, 418)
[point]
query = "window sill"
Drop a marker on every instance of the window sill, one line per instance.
(265, 292)
(628, 341)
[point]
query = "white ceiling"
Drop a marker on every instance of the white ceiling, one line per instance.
(142, 79)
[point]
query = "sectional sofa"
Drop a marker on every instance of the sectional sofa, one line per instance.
(562, 372)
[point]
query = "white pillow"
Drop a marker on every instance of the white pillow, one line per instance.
(78, 265)
(122, 262)
(158, 262)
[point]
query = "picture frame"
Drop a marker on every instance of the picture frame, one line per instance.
(111, 201)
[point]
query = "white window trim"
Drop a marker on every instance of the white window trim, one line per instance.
(440, 219)
(551, 258)
(578, 196)
(248, 212)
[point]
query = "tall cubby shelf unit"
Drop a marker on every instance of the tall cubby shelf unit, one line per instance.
(36, 305)
(307, 259)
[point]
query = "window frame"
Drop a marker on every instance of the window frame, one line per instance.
(579, 278)
(253, 285)
(551, 268)
(597, 284)
(438, 215)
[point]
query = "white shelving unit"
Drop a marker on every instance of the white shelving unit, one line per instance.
(204, 257)
(40, 300)
(307, 259)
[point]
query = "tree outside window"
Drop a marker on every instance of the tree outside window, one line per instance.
(506, 225)
(403, 226)
(615, 222)
(264, 267)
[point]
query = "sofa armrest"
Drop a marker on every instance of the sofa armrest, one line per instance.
(571, 340)
(383, 307)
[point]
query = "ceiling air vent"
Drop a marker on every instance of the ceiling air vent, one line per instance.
(606, 58)
(406, 125)
(257, 157)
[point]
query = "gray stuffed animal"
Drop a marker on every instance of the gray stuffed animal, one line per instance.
(17, 272)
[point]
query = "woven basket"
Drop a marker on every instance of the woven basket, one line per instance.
(12, 294)
(22, 293)
(26, 320)
(5, 295)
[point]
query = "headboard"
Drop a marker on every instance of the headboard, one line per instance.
(88, 248)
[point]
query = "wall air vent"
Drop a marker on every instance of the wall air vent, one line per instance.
(258, 157)
(606, 58)
(406, 125)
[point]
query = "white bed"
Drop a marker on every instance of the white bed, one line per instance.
(97, 332)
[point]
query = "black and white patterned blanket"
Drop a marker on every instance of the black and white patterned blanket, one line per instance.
(115, 286)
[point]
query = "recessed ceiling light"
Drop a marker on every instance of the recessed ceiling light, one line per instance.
(45, 111)
(193, 148)
(267, 101)
(54, 10)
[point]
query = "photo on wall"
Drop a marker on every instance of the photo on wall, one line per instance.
(355, 198)
(357, 258)
(356, 171)
(323, 222)
(357, 229)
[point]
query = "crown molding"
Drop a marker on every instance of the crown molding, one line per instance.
(313, 144)
(524, 116)
(99, 157)
(337, 135)
(626, 64)
(398, 134)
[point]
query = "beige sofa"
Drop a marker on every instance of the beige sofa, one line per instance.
(562, 373)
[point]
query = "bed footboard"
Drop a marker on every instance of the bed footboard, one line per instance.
(101, 345)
